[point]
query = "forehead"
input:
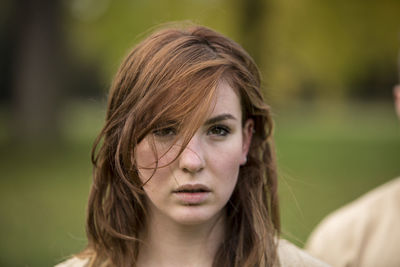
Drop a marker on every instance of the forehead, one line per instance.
(226, 101)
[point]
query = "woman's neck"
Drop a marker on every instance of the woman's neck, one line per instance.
(170, 244)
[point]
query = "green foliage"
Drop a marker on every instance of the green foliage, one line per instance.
(109, 35)
(332, 48)
(306, 49)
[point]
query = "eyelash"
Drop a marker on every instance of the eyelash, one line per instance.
(165, 132)
(225, 130)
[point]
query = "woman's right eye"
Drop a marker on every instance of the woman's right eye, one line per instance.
(165, 132)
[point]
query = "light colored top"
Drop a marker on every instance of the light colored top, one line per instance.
(74, 262)
(289, 256)
(292, 256)
(364, 233)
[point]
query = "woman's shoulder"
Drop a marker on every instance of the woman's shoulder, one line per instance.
(289, 256)
(74, 262)
(292, 256)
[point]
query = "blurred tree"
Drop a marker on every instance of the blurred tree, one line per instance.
(6, 46)
(251, 16)
(39, 71)
(306, 49)
(332, 49)
(37, 83)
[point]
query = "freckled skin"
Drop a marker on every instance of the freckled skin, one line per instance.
(212, 158)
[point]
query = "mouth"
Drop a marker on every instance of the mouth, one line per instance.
(192, 195)
(192, 188)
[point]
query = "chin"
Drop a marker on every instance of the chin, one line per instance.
(192, 215)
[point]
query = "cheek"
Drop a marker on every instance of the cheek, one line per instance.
(226, 161)
(226, 174)
(146, 161)
(229, 155)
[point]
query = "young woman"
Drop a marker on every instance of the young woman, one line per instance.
(184, 168)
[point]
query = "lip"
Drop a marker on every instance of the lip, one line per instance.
(192, 194)
(192, 187)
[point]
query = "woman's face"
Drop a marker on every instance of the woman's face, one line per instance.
(196, 186)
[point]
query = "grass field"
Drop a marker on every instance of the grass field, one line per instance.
(327, 156)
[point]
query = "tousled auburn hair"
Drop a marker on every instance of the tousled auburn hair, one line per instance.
(171, 78)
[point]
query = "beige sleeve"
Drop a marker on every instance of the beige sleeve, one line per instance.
(73, 262)
(292, 256)
(363, 233)
(336, 239)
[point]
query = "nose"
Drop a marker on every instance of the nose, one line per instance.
(191, 160)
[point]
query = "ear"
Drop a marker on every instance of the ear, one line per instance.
(396, 93)
(247, 136)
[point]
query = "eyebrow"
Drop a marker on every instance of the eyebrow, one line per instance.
(219, 118)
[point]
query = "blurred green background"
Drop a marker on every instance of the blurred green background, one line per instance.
(328, 70)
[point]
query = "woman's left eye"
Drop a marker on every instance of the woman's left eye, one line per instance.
(165, 132)
(219, 130)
